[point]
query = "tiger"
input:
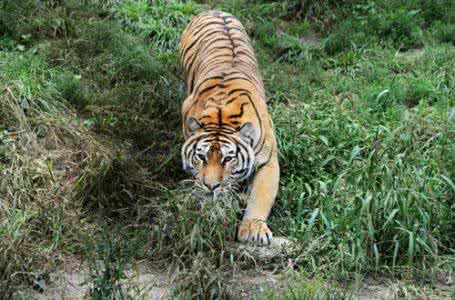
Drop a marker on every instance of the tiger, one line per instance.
(228, 131)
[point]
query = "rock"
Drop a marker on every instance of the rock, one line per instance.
(275, 249)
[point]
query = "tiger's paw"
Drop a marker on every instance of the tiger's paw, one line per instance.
(255, 231)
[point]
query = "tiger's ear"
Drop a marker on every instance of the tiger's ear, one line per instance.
(247, 132)
(193, 124)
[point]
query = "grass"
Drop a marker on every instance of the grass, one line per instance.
(361, 94)
(302, 288)
(109, 258)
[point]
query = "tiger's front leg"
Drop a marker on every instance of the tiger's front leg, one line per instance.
(260, 201)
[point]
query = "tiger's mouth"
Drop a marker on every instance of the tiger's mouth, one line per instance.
(222, 189)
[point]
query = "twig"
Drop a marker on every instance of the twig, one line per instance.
(174, 154)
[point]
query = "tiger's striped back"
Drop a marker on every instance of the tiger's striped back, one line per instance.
(216, 49)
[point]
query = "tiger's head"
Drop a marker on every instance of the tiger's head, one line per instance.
(218, 158)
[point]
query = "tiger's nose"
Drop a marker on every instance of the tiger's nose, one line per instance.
(212, 186)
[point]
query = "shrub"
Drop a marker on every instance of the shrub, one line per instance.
(339, 40)
(159, 21)
(109, 258)
(401, 27)
(443, 32)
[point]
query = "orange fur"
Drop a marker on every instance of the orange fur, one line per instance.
(225, 108)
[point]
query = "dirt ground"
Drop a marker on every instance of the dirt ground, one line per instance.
(156, 285)
(153, 284)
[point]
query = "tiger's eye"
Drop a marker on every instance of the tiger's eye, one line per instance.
(201, 157)
(227, 159)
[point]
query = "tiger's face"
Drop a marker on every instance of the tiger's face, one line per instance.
(218, 159)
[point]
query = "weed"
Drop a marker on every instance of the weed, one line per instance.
(339, 40)
(160, 21)
(443, 32)
(199, 224)
(109, 258)
(203, 280)
(302, 287)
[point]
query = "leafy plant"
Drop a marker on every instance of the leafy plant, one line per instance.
(159, 21)
(108, 259)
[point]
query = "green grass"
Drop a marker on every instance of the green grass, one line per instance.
(159, 23)
(362, 96)
(109, 256)
(301, 287)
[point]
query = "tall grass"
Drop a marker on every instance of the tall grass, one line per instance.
(160, 22)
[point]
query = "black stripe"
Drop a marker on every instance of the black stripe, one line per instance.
(247, 54)
(205, 80)
(215, 129)
(214, 64)
(257, 114)
(237, 90)
(220, 117)
(213, 48)
(235, 78)
(219, 55)
(240, 114)
(227, 29)
(232, 100)
(212, 67)
(243, 152)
